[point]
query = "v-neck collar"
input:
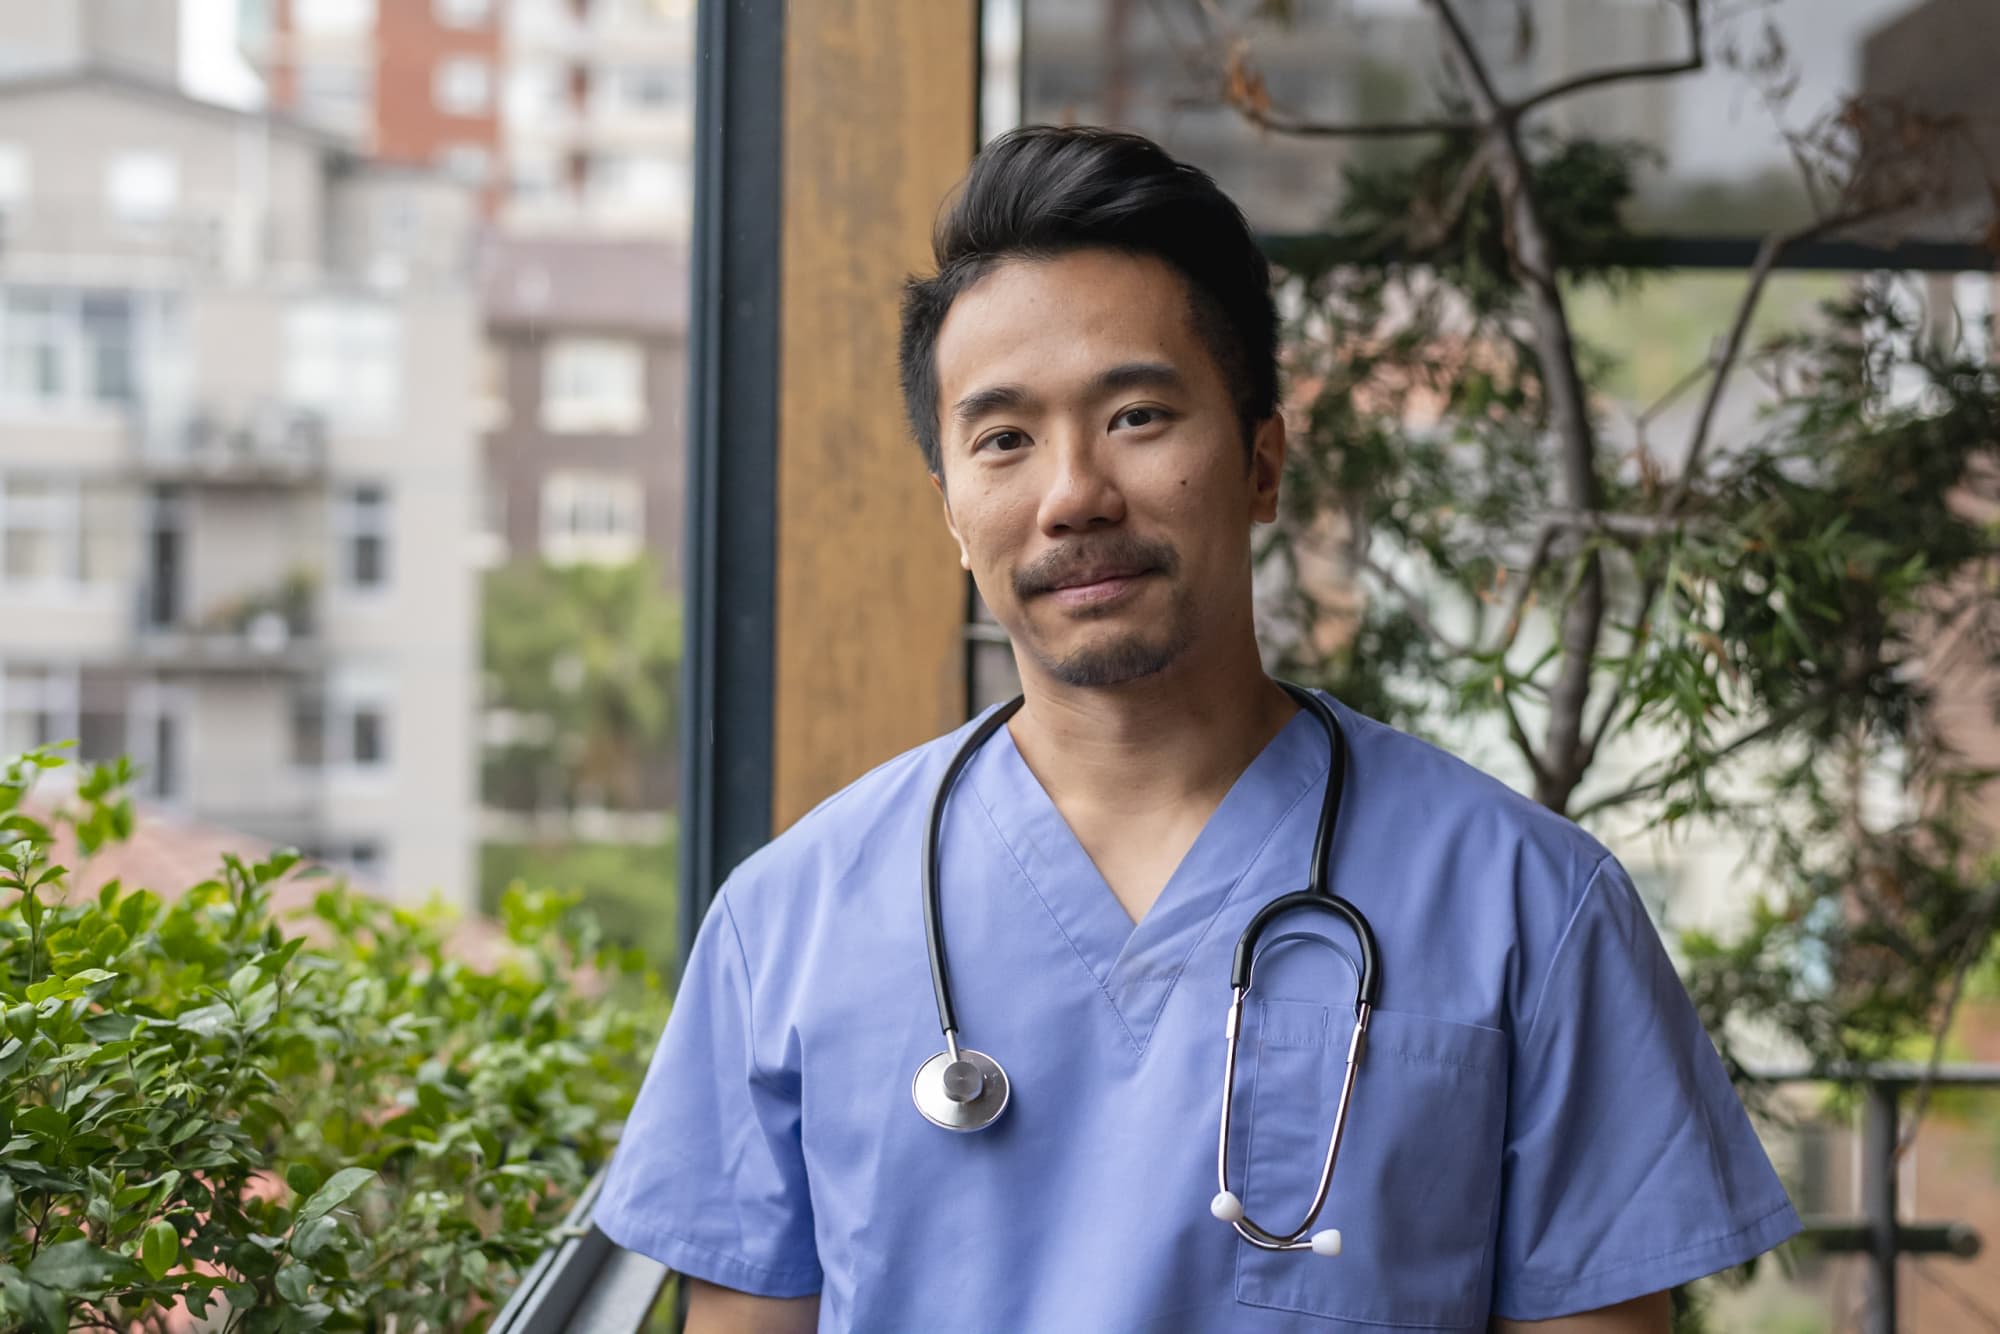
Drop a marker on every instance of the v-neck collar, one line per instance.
(1137, 965)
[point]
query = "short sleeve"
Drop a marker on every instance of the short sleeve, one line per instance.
(1630, 1164)
(708, 1177)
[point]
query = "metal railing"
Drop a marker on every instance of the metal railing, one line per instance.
(586, 1284)
(1880, 1234)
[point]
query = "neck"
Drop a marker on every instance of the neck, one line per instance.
(1183, 734)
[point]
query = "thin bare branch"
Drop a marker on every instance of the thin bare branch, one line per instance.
(1615, 699)
(1279, 123)
(1691, 63)
(1976, 932)
(1517, 608)
(1536, 765)
(1724, 362)
(1415, 607)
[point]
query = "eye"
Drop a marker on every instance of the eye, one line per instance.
(1140, 417)
(1004, 441)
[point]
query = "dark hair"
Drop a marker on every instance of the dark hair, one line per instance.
(1045, 190)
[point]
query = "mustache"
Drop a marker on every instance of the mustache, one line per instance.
(1123, 553)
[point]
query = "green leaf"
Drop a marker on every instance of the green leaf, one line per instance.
(303, 1178)
(159, 1248)
(77, 1266)
(335, 1192)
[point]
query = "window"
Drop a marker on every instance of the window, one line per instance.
(592, 517)
(329, 18)
(593, 384)
(63, 348)
(462, 86)
(45, 537)
(14, 178)
(647, 87)
(38, 707)
(336, 91)
(471, 164)
(639, 182)
(361, 523)
(342, 723)
(142, 186)
(534, 92)
(369, 745)
(343, 359)
(463, 13)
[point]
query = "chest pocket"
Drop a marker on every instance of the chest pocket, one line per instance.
(1416, 1186)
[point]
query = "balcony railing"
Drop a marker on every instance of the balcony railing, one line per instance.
(272, 629)
(268, 444)
(587, 1285)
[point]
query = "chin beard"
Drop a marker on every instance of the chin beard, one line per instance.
(1114, 664)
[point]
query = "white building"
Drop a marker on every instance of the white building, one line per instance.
(237, 459)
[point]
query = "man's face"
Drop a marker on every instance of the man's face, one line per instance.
(1093, 466)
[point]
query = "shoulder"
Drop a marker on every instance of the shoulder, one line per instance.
(1469, 829)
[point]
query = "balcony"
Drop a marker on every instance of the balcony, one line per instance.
(272, 630)
(268, 444)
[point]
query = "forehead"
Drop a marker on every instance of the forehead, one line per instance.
(1047, 324)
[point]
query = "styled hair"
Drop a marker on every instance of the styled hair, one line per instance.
(1042, 191)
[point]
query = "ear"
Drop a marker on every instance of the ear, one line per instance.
(951, 524)
(1267, 466)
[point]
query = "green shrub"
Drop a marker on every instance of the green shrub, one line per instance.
(627, 887)
(285, 1123)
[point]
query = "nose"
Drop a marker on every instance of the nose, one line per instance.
(1080, 492)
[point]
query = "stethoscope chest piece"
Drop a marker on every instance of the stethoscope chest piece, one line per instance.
(968, 1093)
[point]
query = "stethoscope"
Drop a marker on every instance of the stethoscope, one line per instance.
(963, 1089)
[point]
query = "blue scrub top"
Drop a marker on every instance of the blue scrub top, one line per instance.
(1540, 1125)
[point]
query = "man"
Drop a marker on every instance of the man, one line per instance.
(1539, 1132)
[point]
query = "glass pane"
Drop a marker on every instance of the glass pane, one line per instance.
(1722, 162)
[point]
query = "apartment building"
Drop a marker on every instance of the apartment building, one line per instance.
(571, 116)
(237, 457)
(585, 408)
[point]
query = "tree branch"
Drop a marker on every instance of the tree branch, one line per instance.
(1569, 417)
(1689, 64)
(1422, 618)
(1724, 362)
(1777, 722)
(1278, 123)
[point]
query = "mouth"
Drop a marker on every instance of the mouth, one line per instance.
(1096, 588)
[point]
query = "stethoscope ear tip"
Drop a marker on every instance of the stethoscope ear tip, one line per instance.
(1227, 1207)
(1326, 1243)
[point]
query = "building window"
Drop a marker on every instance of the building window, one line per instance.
(65, 349)
(38, 707)
(361, 523)
(592, 517)
(342, 723)
(463, 13)
(333, 18)
(143, 186)
(462, 86)
(335, 91)
(649, 183)
(471, 164)
(646, 87)
(593, 384)
(343, 358)
(309, 728)
(15, 182)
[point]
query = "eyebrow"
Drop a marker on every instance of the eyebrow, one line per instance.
(1004, 397)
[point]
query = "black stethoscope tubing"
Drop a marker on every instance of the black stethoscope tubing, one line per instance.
(1317, 895)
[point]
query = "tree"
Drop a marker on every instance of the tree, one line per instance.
(1772, 605)
(583, 663)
